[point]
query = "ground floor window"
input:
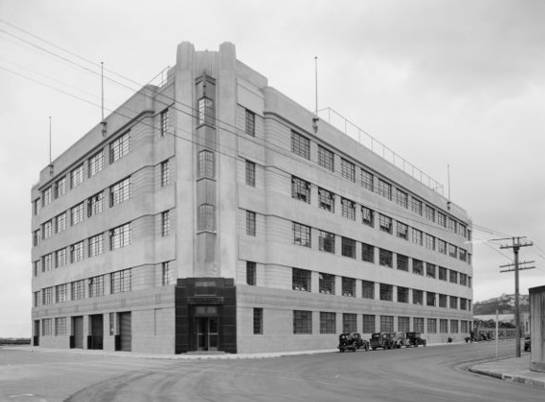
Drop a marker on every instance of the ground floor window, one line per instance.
(350, 323)
(258, 321)
(60, 326)
(443, 326)
(403, 324)
(368, 323)
(302, 322)
(328, 322)
(432, 325)
(463, 325)
(418, 324)
(386, 323)
(454, 326)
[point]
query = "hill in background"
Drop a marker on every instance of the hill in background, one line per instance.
(504, 303)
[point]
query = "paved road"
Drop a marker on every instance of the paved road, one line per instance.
(423, 374)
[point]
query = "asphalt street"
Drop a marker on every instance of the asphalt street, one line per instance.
(423, 374)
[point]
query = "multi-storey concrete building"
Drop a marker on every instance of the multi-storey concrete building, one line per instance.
(208, 214)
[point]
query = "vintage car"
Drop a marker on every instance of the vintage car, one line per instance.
(414, 339)
(352, 341)
(400, 340)
(384, 340)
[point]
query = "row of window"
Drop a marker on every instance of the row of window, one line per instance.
(302, 235)
(117, 148)
(300, 145)
(118, 193)
(300, 190)
(120, 281)
(302, 323)
(301, 281)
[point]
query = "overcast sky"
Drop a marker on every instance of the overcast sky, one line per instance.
(441, 82)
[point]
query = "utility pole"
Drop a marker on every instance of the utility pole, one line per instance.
(516, 244)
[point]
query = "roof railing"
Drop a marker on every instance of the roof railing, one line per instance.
(367, 140)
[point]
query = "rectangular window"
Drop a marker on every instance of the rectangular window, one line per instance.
(385, 258)
(430, 270)
(454, 326)
(47, 263)
(249, 122)
(348, 209)
(207, 164)
(300, 189)
(368, 323)
(366, 179)
(418, 267)
(429, 213)
(47, 196)
(250, 273)
(121, 281)
(442, 274)
(120, 236)
(96, 163)
(250, 173)
(326, 200)
(302, 322)
(96, 286)
(453, 276)
(367, 252)
(386, 323)
(429, 241)
(77, 290)
(385, 223)
(36, 237)
(350, 322)
(119, 147)
(402, 294)
(441, 246)
(463, 303)
(348, 287)
(120, 192)
(163, 117)
(402, 262)
(453, 302)
(463, 279)
(47, 327)
(348, 247)
(95, 204)
(384, 189)
(76, 252)
(326, 241)
(418, 323)
(348, 170)
(300, 279)
(60, 223)
(463, 325)
(60, 187)
(96, 245)
(165, 223)
(441, 219)
(36, 206)
(76, 176)
(416, 206)
(417, 236)
(60, 258)
(207, 111)
(430, 299)
(76, 214)
(328, 323)
(165, 173)
(250, 223)
(326, 283)
(36, 298)
(403, 324)
(367, 216)
(47, 296)
(300, 145)
(167, 276)
(386, 292)
(258, 321)
(301, 234)
(367, 289)
(451, 225)
(402, 198)
(47, 229)
(432, 325)
(206, 218)
(443, 326)
(60, 326)
(443, 301)
(402, 230)
(418, 296)
(326, 158)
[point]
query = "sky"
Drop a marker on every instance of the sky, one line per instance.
(441, 82)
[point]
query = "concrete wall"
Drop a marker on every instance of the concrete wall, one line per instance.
(537, 328)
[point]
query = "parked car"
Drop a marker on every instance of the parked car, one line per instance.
(414, 339)
(352, 341)
(527, 344)
(400, 340)
(384, 340)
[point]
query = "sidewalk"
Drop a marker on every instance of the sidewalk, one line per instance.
(512, 370)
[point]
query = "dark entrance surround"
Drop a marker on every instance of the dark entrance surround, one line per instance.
(205, 315)
(96, 326)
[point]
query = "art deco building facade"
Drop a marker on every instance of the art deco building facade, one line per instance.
(207, 214)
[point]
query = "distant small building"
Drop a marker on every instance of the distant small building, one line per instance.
(537, 328)
(508, 318)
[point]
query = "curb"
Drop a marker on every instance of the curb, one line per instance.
(510, 377)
